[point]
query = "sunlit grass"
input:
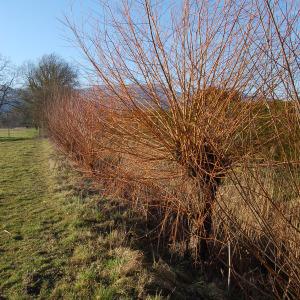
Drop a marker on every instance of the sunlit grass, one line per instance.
(59, 241)
(43, 252)
(8, 134)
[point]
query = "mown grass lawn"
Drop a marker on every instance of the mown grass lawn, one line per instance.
(34, 224)
(60, 240)
(47, 246)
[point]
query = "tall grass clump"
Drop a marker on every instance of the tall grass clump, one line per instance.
(193, 118)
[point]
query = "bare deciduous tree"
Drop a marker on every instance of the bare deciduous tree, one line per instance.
(7, 77)
(50, 75)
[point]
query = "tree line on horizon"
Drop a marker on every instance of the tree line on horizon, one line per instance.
(23, 104)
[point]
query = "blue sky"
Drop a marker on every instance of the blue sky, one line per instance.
(31, 28)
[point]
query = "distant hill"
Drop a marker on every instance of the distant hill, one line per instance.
(143, 96)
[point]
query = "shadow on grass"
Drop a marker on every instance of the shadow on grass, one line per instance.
(14, 139)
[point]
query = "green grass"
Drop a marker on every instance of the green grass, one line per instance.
(32, 227)
(60, 240)
(47, 248)
(18, 134)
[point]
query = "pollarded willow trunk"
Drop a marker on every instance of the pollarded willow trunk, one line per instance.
(207, 171)
(210, 188)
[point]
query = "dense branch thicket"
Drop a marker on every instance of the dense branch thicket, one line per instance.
(194, 119)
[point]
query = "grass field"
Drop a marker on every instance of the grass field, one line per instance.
(59, 239)
(19, 134)
(47, 248)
